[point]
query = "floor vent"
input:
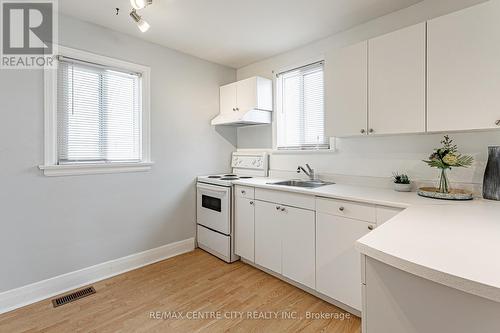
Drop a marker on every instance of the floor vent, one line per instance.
(73, 296)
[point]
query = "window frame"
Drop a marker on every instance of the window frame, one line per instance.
(328, 147)
(51, 166)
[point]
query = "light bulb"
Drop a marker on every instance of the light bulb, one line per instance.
(138, 4)
(143, 25)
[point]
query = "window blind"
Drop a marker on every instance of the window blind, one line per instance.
(98, 113)
(301, 118)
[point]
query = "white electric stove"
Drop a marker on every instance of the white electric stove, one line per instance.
(215, 204)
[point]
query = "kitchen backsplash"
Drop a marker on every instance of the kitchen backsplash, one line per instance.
(370, 161)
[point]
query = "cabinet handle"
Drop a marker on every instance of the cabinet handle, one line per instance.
(237, 109)
(370, 227)
(371, 130)
(243, 192)
(497, 122)
(278, 207)
(251, 203)
(283, 209)
(341, 209)
(234, 109)
(362, 131)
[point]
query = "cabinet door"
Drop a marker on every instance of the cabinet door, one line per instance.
(298, 240)
(464, 69)
(227, 95)
(338, 263)
(268, 236)
(396, 88)
(346, 91)
(244, 228)
(247, 94)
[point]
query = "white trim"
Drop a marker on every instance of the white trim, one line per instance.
(50, 114)
(93, 168)
(16, 298)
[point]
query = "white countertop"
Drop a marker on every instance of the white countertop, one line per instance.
(378, 196)
(456, 244)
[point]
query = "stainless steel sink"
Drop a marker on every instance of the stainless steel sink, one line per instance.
(302, 183)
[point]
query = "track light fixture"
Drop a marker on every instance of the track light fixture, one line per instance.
(140, 4)
(141, 24)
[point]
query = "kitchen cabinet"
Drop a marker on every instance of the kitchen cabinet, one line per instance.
(346, 77)
(298, 244)
(268, 231)
(254, 93)
(228, 98)
(464, 69)
(396, 84)
(244, 226)
(285, 236)
(398, 301)
(338, 265)
(307, 239)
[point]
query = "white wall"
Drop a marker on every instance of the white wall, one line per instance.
(370, 156)
(50, 226)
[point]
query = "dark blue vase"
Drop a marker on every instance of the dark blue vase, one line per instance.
(491, 181)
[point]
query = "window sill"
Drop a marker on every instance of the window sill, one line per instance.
(93, 169)
(302, 152)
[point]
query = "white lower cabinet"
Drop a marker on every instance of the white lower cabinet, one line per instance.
(313, 245)
(285, 241)
(244, 228)
(338, 265)
(268, 236)
(298, 238)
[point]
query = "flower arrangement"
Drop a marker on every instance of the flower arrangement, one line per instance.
(445, 158)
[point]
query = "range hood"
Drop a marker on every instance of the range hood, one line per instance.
(243, 118)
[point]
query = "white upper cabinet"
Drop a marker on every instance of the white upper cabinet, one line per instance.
(346, 91)
(228, 98)
(464, 69)
(396, 81)
(254, 93)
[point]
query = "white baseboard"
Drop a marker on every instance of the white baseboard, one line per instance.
(25, 295)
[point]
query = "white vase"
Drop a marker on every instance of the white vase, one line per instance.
(402, 187)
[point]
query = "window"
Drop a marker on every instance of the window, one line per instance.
(97, 111)
(301, 116)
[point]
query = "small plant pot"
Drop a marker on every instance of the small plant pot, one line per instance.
(402, 187)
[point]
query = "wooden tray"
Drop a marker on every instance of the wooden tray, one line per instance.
(432, 192)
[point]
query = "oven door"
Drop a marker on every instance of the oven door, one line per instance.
(213, 207)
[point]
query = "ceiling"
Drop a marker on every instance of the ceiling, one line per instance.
(234, 33)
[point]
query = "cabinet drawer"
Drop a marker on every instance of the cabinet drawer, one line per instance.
(244, 191)
(347, 209)
(384, 214)
(286, 198)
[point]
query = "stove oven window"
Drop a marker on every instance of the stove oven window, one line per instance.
(211, 203)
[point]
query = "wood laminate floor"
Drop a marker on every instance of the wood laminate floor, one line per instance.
(232, 298)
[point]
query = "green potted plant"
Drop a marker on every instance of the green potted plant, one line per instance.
(402, 182)
(444, 159)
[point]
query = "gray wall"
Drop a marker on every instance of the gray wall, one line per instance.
(51, 226)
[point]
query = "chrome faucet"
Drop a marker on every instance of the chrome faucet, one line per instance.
(310, 171)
